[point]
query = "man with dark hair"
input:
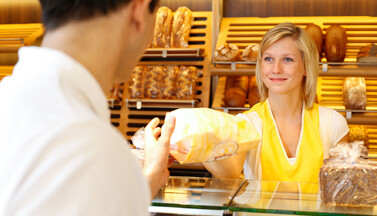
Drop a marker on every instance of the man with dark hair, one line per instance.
(59, 153)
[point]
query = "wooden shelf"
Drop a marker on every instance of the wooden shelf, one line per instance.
(15, 36)
(160, 103)
(173, 52)
(5, 71)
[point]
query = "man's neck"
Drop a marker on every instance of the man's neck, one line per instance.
(91, 45)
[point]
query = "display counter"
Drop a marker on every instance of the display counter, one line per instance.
(211, 196)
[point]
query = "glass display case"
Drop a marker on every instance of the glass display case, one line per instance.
(211, 196)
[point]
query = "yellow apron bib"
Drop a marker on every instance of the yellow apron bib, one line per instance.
(274, 162)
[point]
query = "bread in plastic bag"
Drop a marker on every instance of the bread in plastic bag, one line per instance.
(203, 134)
(348, 180)
(354, 93)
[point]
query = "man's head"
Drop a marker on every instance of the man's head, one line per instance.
(59, 12)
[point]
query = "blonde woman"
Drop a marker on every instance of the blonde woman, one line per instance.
(296, 132)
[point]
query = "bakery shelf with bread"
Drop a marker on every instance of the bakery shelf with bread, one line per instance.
(357, 32)
(140, 106)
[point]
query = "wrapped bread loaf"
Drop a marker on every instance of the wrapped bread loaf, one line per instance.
(169, 84)
(349, 180)
(203, 134)
(227, 52)
(359, 133)
(250, 53)
(315, 33)
(136, 83)
(181, 27)
(253, 96)
(335, 44)
(354, 93)
(186, 82)
(236, 89)
(153, 82)
(114, 97)
(162, 29)
(367, 54)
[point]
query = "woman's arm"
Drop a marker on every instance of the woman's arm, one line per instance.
(227, 168)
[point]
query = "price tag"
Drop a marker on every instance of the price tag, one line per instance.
(138, 105)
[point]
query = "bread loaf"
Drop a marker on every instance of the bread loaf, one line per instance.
(162, 29)
(253, 96)
(359, 133)
(186, 82)
(354, 93)
(181, 27)
(136, 82)
(115, 95)
(367, 54)
(236, 89)
(250, 53)
(335, 44)
(153, 82)
(169, 82)
(315, 33)
(227, 52)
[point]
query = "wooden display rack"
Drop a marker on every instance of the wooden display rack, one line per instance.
(134, 114)
(246, 30)
(15, 36)
(5, 71)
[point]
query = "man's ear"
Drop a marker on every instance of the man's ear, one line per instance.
(139, 10)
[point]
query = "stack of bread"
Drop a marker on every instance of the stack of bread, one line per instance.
(367, 54)
(163, 82)
(114, 97)
(172, 30)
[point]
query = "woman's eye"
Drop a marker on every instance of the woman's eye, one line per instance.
(288, 60)
(267, 59)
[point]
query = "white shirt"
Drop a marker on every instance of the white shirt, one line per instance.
(59, 153)
(333, 127)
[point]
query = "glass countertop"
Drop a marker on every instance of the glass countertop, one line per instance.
(249, 197)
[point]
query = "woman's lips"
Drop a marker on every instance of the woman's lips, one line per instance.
(278, 79)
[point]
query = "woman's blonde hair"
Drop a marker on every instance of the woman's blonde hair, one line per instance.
(309, 54)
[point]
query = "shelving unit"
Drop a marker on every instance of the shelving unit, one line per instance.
(136, 113)
(5, 71)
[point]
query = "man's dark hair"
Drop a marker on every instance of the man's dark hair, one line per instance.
(56, 13)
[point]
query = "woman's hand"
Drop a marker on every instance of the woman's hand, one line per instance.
(157, 152)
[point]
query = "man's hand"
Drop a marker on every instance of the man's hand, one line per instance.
(157, 152)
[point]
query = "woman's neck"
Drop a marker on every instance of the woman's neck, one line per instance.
(286, 106)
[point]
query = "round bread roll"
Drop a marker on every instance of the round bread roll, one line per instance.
(335, 44)
(250, 53)
(315, 33)
(227, 52)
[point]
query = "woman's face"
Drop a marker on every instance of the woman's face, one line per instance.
(283, 68)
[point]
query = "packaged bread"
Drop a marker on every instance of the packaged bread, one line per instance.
(359, 133)
(335, 44)
(367, 54)
(349, 180)
(169, 84)
(315, 33)
(114, 97)
(153, 82)
(181, 27)
(227, 52)
(162, 28)
(136, 82)
(250, 53)
(186, 82)
(253, 96)
(203, 134)
(354, 93)
(236, 89)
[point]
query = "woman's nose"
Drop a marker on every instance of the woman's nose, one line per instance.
(277, 68)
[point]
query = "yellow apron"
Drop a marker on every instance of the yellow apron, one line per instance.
(274, 163)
